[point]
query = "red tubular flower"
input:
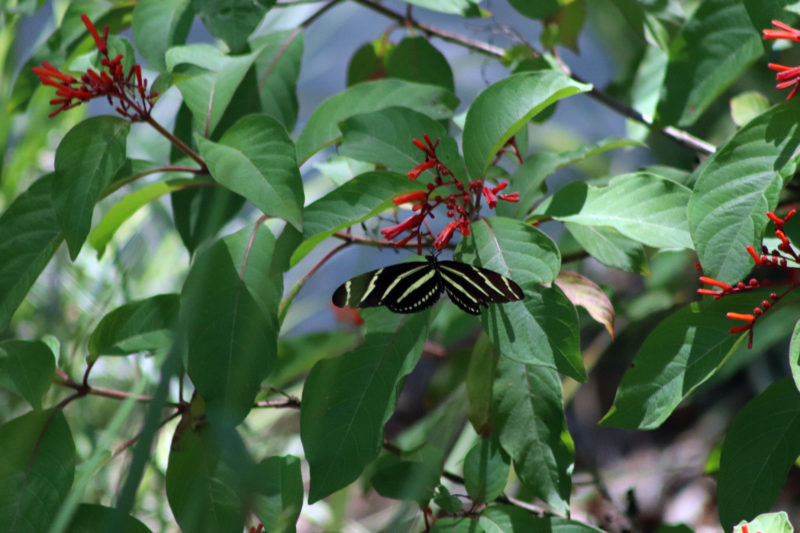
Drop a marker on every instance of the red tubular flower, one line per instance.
(444, 237)
(410, 223)
(417, 170)
(410, 197)
(785, 32)
(491, 198)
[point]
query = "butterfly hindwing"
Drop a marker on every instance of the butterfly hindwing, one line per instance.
(412, 287)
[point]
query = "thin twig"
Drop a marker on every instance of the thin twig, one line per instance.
(182, 146)
(128, 443)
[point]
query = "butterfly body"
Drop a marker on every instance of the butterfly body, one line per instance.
(415, 286)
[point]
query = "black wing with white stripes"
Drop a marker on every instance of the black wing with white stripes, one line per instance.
(412, 287)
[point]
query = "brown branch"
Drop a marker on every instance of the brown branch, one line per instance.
(181, 409)
(84, 389)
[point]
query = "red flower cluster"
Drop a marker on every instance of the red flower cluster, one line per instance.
(778, 258)
(786, 76)
(112, 83)
(463, 205)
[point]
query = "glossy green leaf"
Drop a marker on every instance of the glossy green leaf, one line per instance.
(92, 518)
(415, 59)
(357, 200)
(506, 106)
(486, 468)
(86, 160)
(233, 20)
(528, 180)
(348, 399)
(37, 466)
(735, 188)
(206, 478)
(644, 22)
(256, 159)
(772, 522)
(763, 12)
(456, 525)
(278, 492)
(296, 355)
(762, 443)
(466, 8)
(322, 127)
(794, 355)
(480, 379)
(278, 68)
(540, 9)
(747, 106)
(27, 368)
(384, 137)
(647, 83)
(584, 292)
(207, 79)
(541, 329)
(681, 353)
(104, 231)
(530, 423)
(231, 322)
(714, 47)
(29, 235)
(611, 247)
(642, 206)
(367, 62)
(158, 25)
(143, 325)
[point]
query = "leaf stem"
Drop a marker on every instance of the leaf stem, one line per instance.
(183, 147)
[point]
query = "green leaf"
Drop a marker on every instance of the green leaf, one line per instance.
(735, 188)
(772, 522)
(158, 25)
(206, 478)
(714, 47)
(530, 423)
(584, 292)
(540, 9)
(545, 318)
(384, 137)
(456, 525)
(322, 127)
(644, 22)
(681, 353)
(27, 368)
(747, 106)
(466, 8)
(348, 399)
(480, 378)
(486, 468)
(207, 80)
(233, 20)
(763, 12)
(367, 62)
(794, 355)
(279, 492)
(506, 106)
(278, 68)
(29, 235)
(506, 518)
(256, 159)
(37, 465)
(357, 200)
(86, 161)
(413, 477)
(642, 206)
(415, 59)
(202, 211)
(102, 234)
(231, 322)
(143, 325)
(610, 247)
(296, 355)
(91, 518)
(761, 445)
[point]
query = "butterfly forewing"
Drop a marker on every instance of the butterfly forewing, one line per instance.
(471, 287)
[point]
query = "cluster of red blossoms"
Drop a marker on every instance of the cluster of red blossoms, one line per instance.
(778, 258)
(133, 100)
(786, 76)
(463, 205)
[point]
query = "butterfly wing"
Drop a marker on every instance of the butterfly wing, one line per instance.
(403, 288)
(471, 287)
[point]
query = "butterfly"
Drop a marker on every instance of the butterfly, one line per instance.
(414, 286)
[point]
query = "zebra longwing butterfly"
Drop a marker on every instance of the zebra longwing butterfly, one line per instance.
(412, 287)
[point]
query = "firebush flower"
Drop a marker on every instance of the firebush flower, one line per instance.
(129, 90)
(786, 76)
(463, 203)
(784, 258)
